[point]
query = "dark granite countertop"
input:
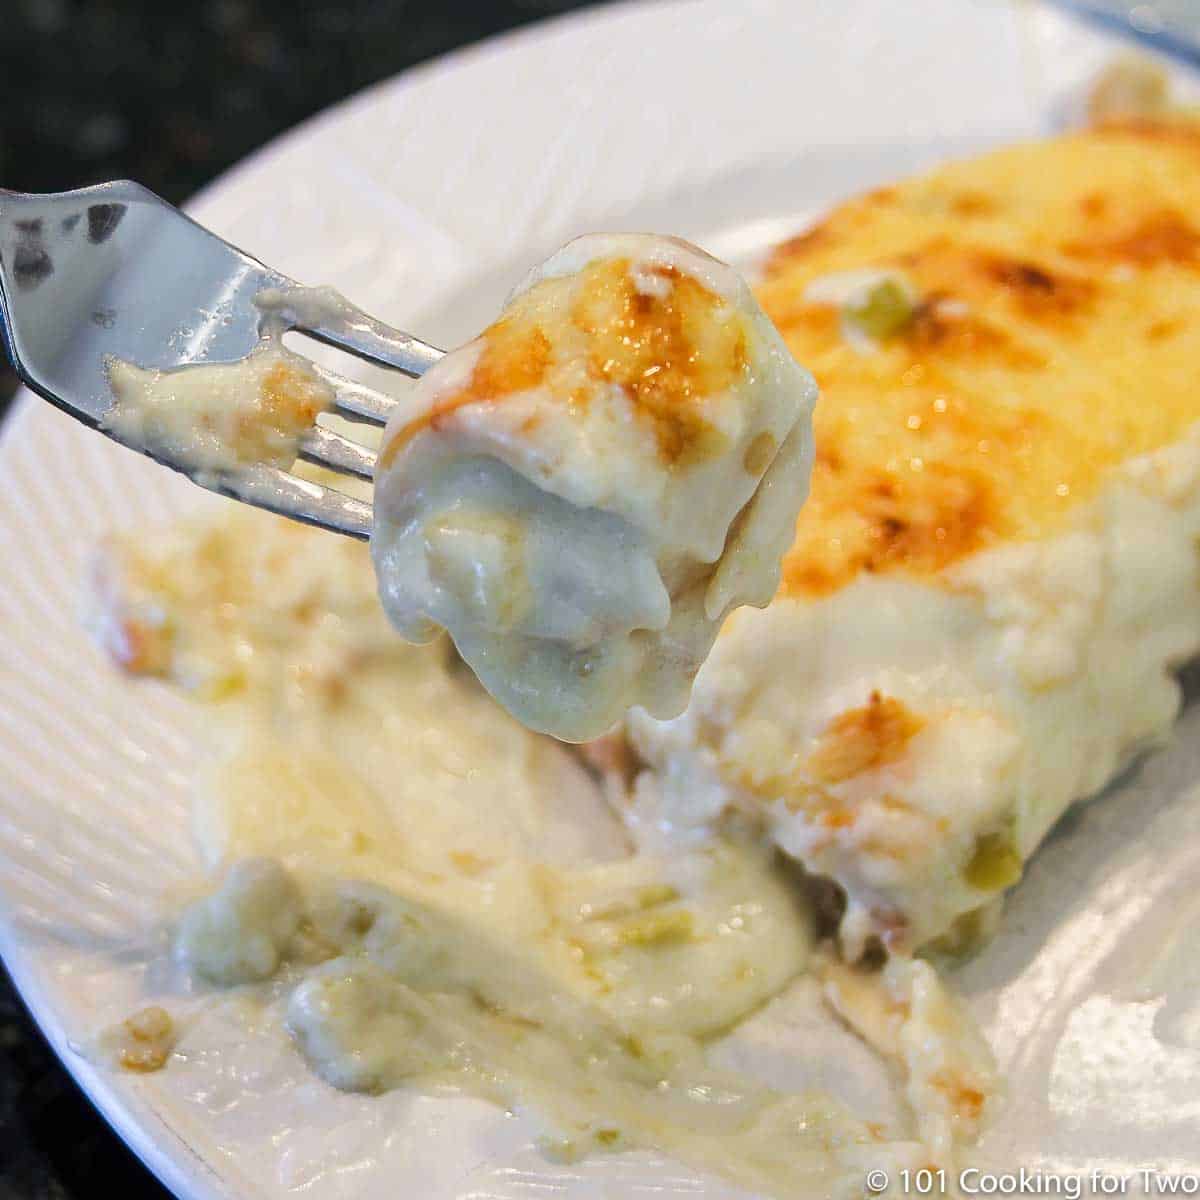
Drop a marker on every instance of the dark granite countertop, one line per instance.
(169, 92)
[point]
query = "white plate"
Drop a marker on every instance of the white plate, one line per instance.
(424, 200)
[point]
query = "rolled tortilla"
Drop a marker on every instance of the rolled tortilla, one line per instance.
(583, 492)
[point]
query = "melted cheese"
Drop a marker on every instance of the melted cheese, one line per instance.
(213, 418)
(582, 493)
(445, 898)
(996, 572)
(1052, 338)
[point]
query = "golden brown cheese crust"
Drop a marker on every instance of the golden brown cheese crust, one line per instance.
(1056, 334)
(289, 399)
(864, 739)
(144, 1041)
(856, 741)
(665, 351)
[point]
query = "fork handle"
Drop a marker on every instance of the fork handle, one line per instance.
(6, 339)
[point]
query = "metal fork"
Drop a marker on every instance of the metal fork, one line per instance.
(116, 270)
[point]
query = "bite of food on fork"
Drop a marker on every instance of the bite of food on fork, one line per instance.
(578, 496)
(582, 493)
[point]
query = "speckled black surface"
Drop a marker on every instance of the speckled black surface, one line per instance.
(169, 92)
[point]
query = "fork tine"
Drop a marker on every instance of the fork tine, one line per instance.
(300, 499)
(357, 401)
(331, 318)
(375, 342)
(329, 449)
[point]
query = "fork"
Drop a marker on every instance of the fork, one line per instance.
(114, 270)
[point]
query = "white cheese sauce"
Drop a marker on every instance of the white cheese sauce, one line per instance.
(445, 900)
(582, 494)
